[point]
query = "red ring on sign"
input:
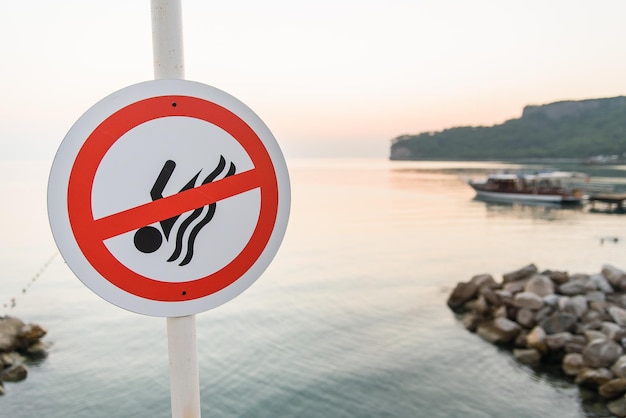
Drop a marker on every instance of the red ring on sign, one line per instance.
(91, 233)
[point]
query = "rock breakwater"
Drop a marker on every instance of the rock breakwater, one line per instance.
(576, 320)
(19, 343)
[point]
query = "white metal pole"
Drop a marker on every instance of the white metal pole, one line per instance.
(167, 39)
(184, 376)
(167, 46)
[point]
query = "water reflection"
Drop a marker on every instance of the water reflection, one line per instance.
(450, 178)
(427, 181)
(607, 210)
(535, 210)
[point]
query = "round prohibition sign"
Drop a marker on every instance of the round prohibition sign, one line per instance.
(90, 233)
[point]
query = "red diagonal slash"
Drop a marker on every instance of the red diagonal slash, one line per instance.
(167, 207)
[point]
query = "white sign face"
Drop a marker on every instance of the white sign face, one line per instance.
(168, 198)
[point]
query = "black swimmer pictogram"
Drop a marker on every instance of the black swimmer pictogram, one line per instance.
(148, 239)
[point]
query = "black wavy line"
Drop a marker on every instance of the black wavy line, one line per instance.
(194, 233)
(207, 218)
(213, 175)
(231, 170)
(181, 232)
(183, 227)
(168, 224)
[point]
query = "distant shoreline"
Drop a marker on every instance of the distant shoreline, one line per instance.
(501, 160)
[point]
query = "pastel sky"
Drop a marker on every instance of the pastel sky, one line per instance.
(331, 78)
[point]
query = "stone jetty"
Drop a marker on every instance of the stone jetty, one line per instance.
(576, 320)
(19, 343)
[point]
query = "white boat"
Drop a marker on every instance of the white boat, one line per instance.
(550, 187)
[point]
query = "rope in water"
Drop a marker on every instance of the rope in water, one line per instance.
(11, 303)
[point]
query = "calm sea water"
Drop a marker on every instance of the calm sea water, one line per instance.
(350, 320)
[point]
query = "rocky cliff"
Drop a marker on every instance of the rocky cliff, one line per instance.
(565, 129)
